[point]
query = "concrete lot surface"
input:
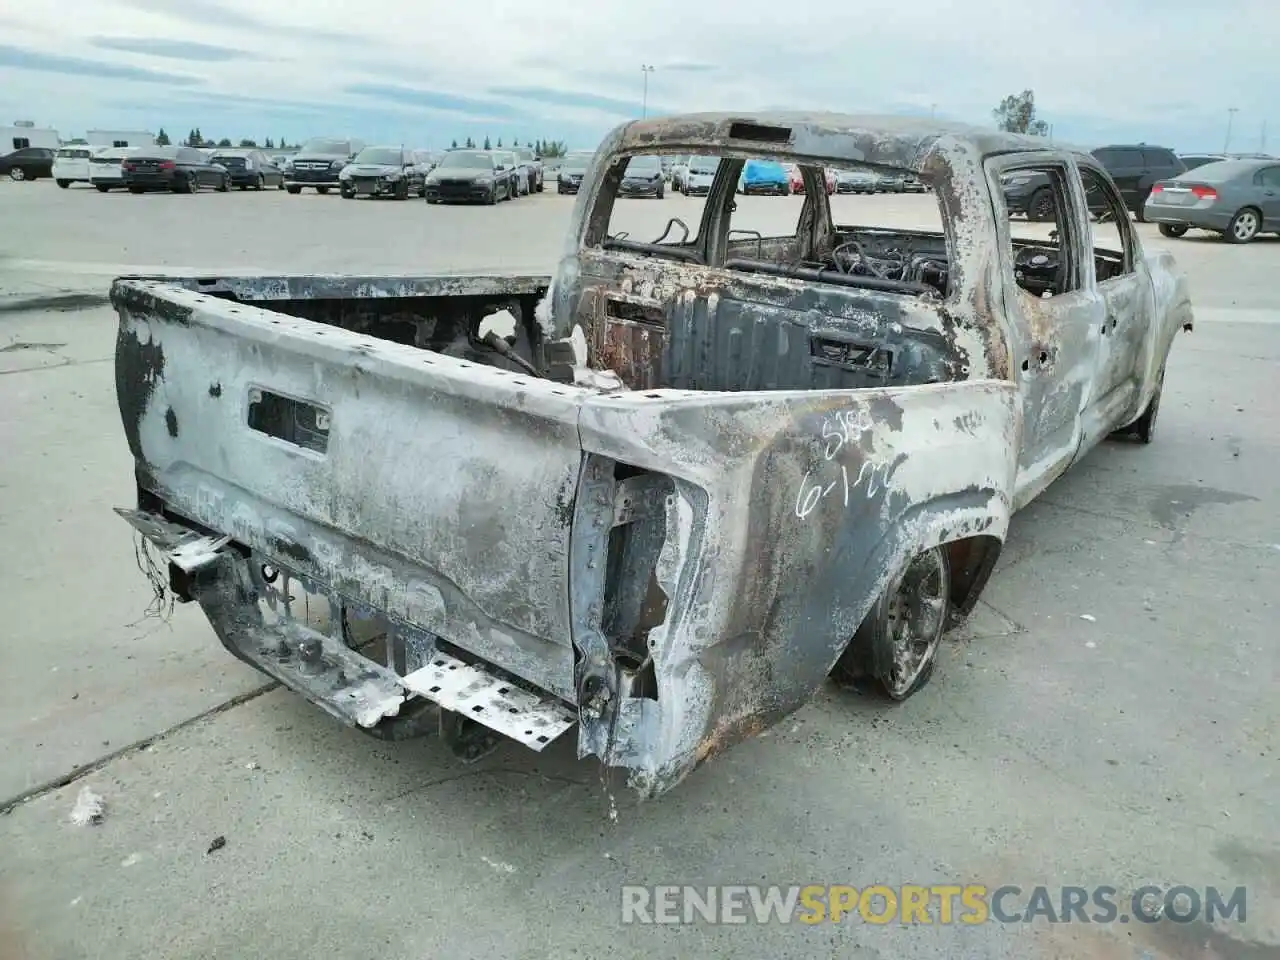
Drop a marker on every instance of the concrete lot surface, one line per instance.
(1108, 717)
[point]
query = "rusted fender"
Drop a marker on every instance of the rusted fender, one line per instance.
(791, 512)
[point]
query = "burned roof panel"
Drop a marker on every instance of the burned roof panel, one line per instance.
(888, 141)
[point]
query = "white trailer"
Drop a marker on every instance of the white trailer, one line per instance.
(23, 134)
(120, 138)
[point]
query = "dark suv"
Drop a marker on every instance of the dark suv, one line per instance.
(1136, 168)
(318, 163)
(1133, 168)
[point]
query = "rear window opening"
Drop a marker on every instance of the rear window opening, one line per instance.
(874, 228)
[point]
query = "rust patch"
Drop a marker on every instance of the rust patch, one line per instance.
(632, 350)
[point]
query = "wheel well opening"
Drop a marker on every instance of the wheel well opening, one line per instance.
(971, 560)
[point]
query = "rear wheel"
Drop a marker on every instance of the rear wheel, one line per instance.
(1244, 226)
(102, 187)
(322, 190)
(17, 174)
(135, 190)
(897, 643)
(1173, 229)
(1040, 206)
(224, 184)
(293, 190)
(402, 190)
(64, 184)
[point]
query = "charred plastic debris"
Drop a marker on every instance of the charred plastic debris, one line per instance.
(709, 464)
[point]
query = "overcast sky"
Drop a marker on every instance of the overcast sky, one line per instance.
(423, 72)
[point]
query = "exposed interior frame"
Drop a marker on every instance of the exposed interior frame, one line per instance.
(710, 245)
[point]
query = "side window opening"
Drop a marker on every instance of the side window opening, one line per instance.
(645, 218)
(1041, 246)
(1110, 239)
(884, 232)
(21, 143)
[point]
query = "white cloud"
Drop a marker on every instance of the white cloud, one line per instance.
(1101, 69)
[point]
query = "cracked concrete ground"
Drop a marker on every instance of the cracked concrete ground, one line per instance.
(1139, 745)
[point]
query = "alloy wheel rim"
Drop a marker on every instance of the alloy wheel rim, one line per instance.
(1246, 226)
(915, 616)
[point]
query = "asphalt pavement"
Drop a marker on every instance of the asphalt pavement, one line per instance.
(1108, 717)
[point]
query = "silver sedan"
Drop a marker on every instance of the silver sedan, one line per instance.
(1236, 198)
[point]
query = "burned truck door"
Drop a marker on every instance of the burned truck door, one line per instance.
(1122, 283)
(1056, 317)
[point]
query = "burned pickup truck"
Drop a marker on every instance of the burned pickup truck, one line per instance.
(661, 496)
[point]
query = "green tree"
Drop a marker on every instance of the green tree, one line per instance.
(268, 145)
(486, 144)
(162, 138)
(454, 145)
(249, 144)
(1017, 114)
(499, 143)
(224, 142)
(553, 148)
(471, 144)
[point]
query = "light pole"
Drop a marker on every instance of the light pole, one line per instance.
(1231, 115)
(645, 69)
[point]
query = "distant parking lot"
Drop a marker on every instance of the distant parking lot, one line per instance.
(81, 233)
(1107, 717)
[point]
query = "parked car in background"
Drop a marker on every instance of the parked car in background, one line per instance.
(678, 168)
(1133, 169)
(890, 182)
(764, 177)
(913, 184)
(104, 167)
(509, 164)
(426, 160)
(1192, 160)
(1238, 199)
(179, 169)
(797, 179)
(531, 164)
(1136, 168)
(698, 174)
(318, 163)
(249, 168)
(29, 163)
(71, 165)
(643, 178)
(856, 181)
(468, 175)
(383, 172)
(572, 169)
